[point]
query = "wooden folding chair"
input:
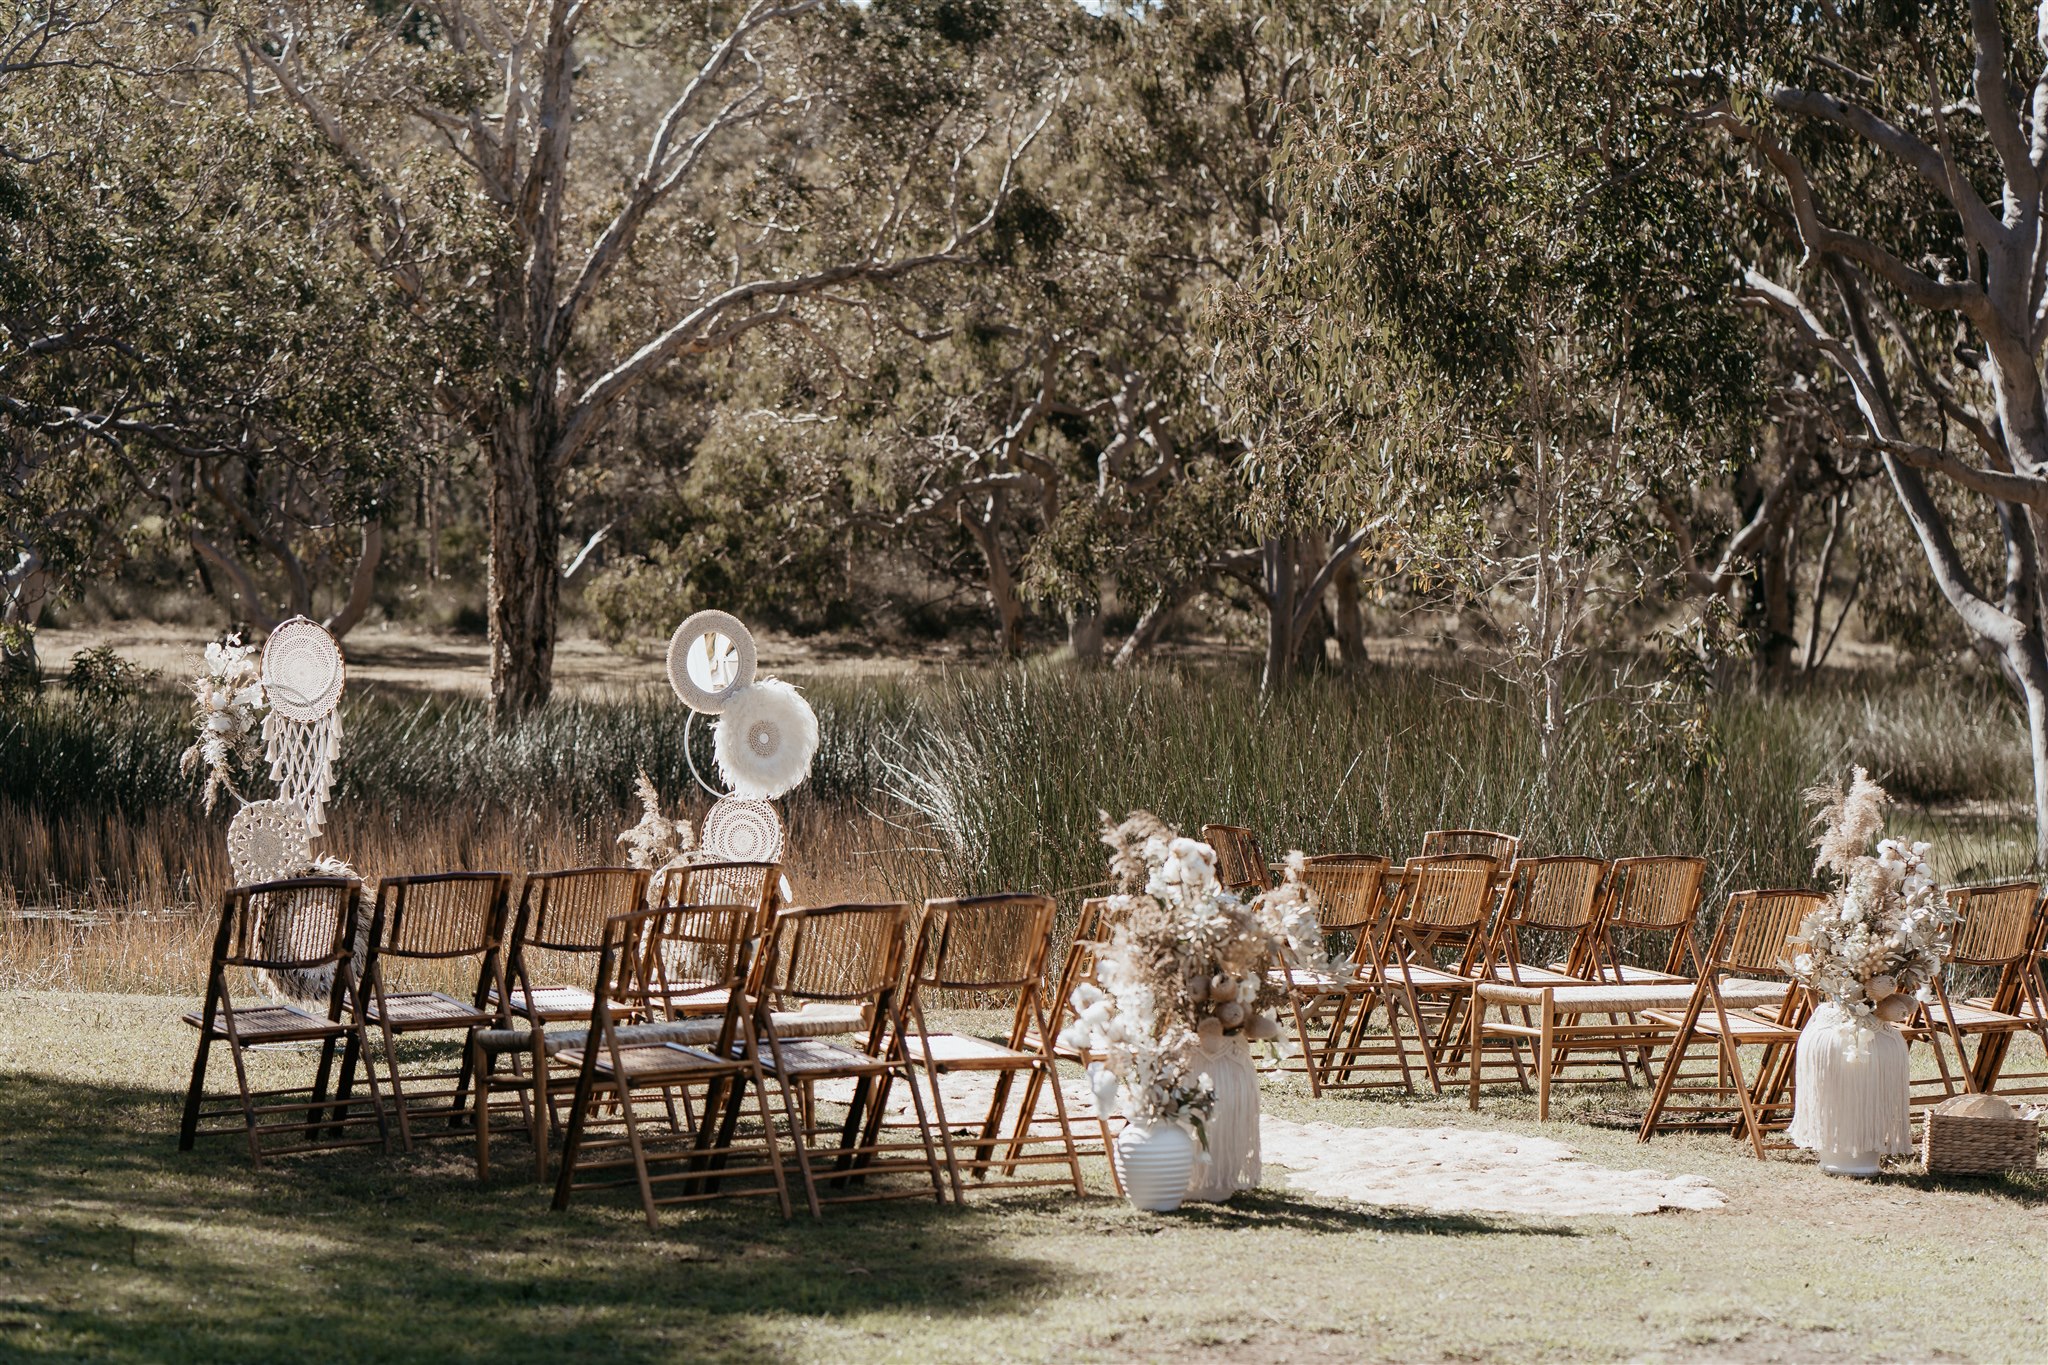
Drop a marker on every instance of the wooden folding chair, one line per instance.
(1240, 862)
(994, 947)
(1348, 891)
(560, 926)
(850, 957)
(1429, 950)
(1093, 927)
(2022, 990)
(434, 919)
(306, 925)
(1550, 909)
(625, 1113)
(1657, 895)
(1756, 938)
(1994, 937)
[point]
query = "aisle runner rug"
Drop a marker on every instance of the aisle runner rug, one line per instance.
(1468, 1170)
(1438, 1170)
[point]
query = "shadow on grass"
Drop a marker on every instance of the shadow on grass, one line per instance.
(115, 1246)
(1266, 1208)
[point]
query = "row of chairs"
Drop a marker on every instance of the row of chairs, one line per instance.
(691, 1068)
(1502, 965)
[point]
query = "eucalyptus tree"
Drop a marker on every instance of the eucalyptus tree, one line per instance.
(1495, 327)
(1900, 157)
(600, 192)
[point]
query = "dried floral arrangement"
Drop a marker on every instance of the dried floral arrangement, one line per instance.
(1879, 942)
(226, 700)
(656, 842)
(1188, 962)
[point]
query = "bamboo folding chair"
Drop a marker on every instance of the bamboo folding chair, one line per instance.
(1429, 950)
(1550, 903)
(1995, 936)
(2023, 990)
(304, 925)
(625, 1115)
(1657, 895)
(562, 919)
(1240, 862)
(848, 956)
(994, 946)
(1756, 938)
(1092, 930)
(1348, 892)
(433, 919)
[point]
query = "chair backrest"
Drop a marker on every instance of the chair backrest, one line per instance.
(1347, 889)
(1240, 862)
(681, 953)
(1447, 893)
(995, 944)
(439, 916)
(839, 954)
(1092, 927)
(568, 911)
(298, 925)
(1758, 932)
(1998, 923)
(1649, 895)
(721, 884)
(1490, 843)
(1557, 896)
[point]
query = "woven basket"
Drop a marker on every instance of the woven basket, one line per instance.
(1956, 1145)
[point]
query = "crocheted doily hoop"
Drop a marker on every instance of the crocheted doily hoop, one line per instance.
(710, 657)
(737, 831)
(765, 740)
(302, 670)
(267, 842)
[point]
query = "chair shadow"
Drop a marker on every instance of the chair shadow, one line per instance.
(1271, 1208)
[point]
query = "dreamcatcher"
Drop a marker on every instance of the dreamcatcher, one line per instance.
(302, 677)
(765, 738)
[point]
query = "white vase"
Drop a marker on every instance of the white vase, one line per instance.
(1850, 1104)
(1154, 1163)
(1231, 1131)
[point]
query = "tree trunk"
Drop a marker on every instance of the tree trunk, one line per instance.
(1350, 617)
(1812, 657)
(1151, 625)
(2034, 687)
(1311, 553)
(1084, 635)
(1278, 564)
(525, 587)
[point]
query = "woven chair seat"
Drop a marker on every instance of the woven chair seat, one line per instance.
(1742, 1025)
(1314, 981)
(549, 1002)
(710, 1001)
(965, 1052)
(652, 1061)
(270, 1024)
(815, 1057)
(1538, 976)
(1972, 1017)
(1632, 975)
(2026, 1011)
(1426, 978)
(426, 1009)
(1610, 998)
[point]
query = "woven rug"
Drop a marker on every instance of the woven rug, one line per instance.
(1468, 1170)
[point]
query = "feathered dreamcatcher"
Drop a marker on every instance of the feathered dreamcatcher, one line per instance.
(302, 676)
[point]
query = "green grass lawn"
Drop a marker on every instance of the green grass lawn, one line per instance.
(114, 1246)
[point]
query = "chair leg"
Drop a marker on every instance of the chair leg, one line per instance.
(248, 1102)
(481, 1064)
(1545, 1036)
(188, 1130)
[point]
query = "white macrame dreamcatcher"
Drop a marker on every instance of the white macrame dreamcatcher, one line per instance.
(764, 740)
(268, 842)
(302, 677)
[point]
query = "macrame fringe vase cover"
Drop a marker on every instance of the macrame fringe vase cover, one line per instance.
(1232, 1127)
(1850, 1102)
